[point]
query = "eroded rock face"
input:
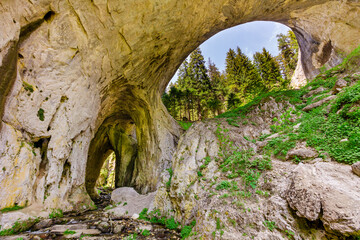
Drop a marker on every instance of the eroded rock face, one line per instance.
(326, 191)
(69, 69)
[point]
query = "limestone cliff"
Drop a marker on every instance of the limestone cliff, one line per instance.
(79, 78)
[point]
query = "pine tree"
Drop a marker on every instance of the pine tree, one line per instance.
(289, 51)
(269, 70)
(199, 82)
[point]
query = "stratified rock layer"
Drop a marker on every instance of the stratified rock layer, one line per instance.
(80, 78)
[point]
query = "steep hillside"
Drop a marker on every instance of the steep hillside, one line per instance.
(277, 168)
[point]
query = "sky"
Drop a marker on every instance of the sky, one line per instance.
(250, 37)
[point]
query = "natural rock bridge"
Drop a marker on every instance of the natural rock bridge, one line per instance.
(81, 77)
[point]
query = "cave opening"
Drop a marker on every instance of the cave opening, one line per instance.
(231, 68)
(112, 156)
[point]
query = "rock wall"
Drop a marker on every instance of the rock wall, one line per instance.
(71, 68)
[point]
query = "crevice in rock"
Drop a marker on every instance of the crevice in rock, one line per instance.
(49, 16)
(43, 145)
(7, 75)
(77, 17)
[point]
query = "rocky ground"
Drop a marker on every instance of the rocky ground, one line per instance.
(94, 225)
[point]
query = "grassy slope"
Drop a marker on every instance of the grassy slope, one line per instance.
(324, 127)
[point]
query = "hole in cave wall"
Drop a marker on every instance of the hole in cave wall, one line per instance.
(112, 156)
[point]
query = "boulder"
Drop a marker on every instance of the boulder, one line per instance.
(302, 153)
(319, 103)
(129, 202)
(326, 191)
(356, 168)
(339, 85)
(315, 91)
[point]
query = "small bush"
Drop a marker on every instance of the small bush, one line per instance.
(56, 213)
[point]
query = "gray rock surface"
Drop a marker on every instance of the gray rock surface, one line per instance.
(326, 191)
(356, 168)
(319, 103)
(74, 72)
(129, 202)
(302, 153)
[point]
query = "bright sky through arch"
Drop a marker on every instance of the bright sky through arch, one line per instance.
(250, 37)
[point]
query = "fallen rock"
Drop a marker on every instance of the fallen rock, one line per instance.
(319, 103)
(302, 153)
(145, 227)
(316, 91)
(356, 168)
(130, 202)
(73, 227)
(118, 228)
(104, 227)
(326, 191)
(339, 85)
(43, 224)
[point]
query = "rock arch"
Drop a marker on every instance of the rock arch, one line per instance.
(71, 68)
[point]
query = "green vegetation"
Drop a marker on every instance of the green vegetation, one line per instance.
(322, 128)
(168, 183)
(9, 209)
(223, 185)
(169, 222)
(40, 114)
(56, 213)
(19, 226)
(145, 232)
(69, 232)
(185, 125)
(270, 225)
(203, 92)
(131, 237)
(28, 87)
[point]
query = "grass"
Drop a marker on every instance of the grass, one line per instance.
(169, 222)
(185, 125)
(270, 225)
(322, 128)
(145, 232)
(20, 226)
(69, 232)
(168, 183)
(56, 213)
(9, 209)
(28, 87)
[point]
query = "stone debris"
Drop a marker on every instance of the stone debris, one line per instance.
(129, 203)
(319, 103)
(302, 153)
(339, 85)
(356, 168)
(313, 92)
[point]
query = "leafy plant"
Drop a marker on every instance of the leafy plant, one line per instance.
(168, 183)
(270, 225)
(145, 232)
(40, 114)
(69, 232)
(56, 213)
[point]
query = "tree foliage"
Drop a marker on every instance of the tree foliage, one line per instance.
(202, 91)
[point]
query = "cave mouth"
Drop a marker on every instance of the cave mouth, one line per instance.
(112, 156)
(106, 179)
